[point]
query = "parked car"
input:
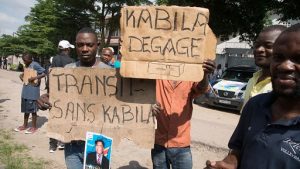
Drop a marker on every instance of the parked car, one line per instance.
(228, 91)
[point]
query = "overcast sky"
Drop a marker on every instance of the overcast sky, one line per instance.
(12, 13)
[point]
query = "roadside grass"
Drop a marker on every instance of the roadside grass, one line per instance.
(15, 156)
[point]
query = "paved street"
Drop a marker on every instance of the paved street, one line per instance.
(211, 130)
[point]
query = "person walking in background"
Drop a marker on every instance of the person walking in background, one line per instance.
(63, 58)
(30, 93)
(5, 63)
(263, 51)
(1, 62)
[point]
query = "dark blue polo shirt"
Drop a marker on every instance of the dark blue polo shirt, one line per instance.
(265, 144)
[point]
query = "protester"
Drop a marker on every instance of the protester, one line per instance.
(263, 51)
(60, 60)
(63, 57)
(173, 112)
(30, 93)
(86, 48)
(268, 133)
(97, 158)
(108, 58)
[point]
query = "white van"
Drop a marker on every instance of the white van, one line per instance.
(228, 91)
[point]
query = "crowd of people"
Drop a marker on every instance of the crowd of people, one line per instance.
(267, 135)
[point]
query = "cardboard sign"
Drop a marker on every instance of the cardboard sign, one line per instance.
(160, 42)
(29, 73)
(99, 100)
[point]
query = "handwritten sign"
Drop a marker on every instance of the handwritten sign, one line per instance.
(99, 100)
(160, 42)
(29, 73)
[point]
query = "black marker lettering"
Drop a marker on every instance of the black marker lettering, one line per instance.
(137, 40)
(127, 113)
(56, 112)
(68, 80)
(159, 12)
(89, 82)
(58, 80)
(148, 18)
(130, 16)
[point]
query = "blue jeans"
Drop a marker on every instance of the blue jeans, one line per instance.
(178, 158)
(74, 153)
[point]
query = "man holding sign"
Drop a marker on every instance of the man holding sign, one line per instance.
(173, 113)
(177, 45)
(30, 92)
(86, 48)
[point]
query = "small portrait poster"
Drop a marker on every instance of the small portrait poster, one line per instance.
(98, 149)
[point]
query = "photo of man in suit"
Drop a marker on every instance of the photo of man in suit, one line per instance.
(97, 158)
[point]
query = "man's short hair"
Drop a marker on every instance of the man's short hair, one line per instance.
(112, 49)
(27, 55)
(274, 28)
(293, 28)
(108, 50)
(99, 141)
(87, 30)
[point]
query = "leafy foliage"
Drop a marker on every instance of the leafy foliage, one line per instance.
(244, 17)
(289, 9)
(50, 21)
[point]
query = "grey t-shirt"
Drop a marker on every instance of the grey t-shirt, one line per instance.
(99, 65)
(31, 91)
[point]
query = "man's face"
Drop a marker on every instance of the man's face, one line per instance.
(106, 55)
(285, 65)
(27, 60)
(263, 48)
(86, 47)
(99, 147)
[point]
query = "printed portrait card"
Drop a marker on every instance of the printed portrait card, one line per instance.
(98, 149)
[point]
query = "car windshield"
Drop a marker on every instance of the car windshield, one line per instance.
(235, 75)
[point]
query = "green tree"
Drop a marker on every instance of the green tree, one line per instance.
(244, 17)
(106, 16)
(8, 45)
(288, 9)
(52, 20)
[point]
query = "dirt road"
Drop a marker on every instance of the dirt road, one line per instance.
(211, 130)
